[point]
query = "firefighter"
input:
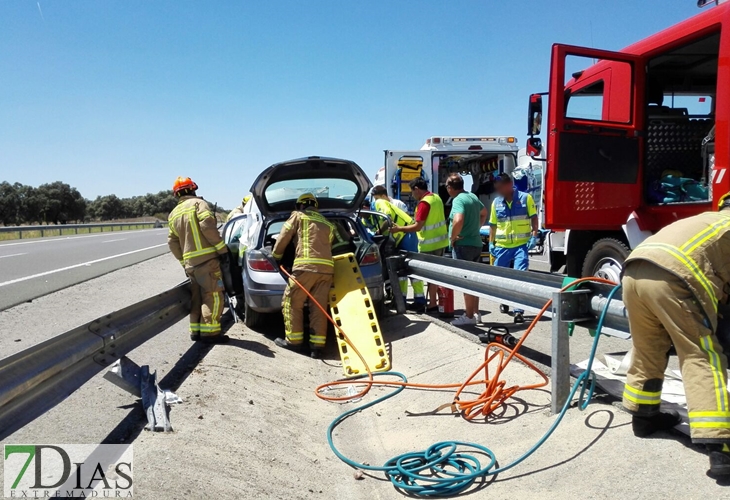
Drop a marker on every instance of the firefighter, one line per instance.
(239, 209)
(403, 241)
(430, 228)
(513, 229)
(313, 237)
(672, 285)
(194, 241)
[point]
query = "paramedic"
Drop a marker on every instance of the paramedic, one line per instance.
(430, 228)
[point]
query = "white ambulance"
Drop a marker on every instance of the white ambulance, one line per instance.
(477, 158)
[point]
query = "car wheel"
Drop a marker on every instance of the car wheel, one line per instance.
(253, 319)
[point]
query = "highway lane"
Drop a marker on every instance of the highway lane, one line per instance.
(33, 268)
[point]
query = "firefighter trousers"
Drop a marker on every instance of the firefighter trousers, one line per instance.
(662, 311)
(293, 308)
(206, 307)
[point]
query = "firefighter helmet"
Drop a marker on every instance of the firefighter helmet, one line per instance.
(724, 202)
(308, 199)
(245, 200)
(184, 184)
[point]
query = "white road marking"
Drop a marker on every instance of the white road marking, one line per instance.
(67, 238)
(112, 241)
(11, 255)
(40, 275)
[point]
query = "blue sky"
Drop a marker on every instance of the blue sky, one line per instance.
(123, 96)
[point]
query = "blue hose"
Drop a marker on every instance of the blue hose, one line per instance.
(448, 467)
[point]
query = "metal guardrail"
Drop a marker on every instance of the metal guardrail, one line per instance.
(75, 227)
(530, 289)
(38, 378)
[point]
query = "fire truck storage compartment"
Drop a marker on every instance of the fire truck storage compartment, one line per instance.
(680, 94)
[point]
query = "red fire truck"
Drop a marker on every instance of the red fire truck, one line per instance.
(636, 140)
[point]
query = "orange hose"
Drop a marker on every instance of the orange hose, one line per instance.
(495, 392)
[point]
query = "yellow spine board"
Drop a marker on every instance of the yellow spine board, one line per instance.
(353, 310)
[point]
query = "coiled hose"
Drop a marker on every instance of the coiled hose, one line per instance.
(451, 467)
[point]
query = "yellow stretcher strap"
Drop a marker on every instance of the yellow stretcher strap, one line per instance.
(353, 310)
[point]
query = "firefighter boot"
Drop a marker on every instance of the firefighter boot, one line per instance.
(215, 339)
(282, 342)
(719, 460)
(663, 421)
(315, 353)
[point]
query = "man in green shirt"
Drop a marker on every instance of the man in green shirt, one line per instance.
(468, 215)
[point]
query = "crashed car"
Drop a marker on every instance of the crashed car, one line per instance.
(340, 187)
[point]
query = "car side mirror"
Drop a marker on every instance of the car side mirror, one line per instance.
(534, 118)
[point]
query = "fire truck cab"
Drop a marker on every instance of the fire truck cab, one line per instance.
(479, 158)
(636, 139)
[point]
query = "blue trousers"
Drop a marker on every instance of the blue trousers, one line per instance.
(503, 257)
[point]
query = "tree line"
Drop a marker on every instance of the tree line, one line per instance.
(59, 203)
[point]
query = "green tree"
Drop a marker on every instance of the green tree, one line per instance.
(9, 204)
(61, 203)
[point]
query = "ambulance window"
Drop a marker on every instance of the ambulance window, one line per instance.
(586, 103)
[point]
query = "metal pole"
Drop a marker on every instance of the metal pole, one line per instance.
(560, 362)
(400, 301)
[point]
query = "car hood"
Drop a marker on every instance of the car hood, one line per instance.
(339, 185)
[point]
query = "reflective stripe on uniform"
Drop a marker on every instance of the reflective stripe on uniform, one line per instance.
(642, 397)
(317, 339)
(691, 266)
(717, 373)
(434, 226)
(315, 261)
(434, 240)
(705, 235)
(295, 337)
(198, 253)
(709, 419)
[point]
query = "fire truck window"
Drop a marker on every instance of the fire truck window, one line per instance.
(680, 145)
(598, 90)
(586, 103)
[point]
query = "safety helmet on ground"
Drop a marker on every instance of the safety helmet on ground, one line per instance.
(308, 199)
(724, 202)
(184, 184)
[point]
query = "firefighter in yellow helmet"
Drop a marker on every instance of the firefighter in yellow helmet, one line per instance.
(313, 237)
(239, 209)
(194, 241)
(672, 285)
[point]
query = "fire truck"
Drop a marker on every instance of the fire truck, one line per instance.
(636, 140)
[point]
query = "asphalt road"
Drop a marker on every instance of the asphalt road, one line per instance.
(33, 268)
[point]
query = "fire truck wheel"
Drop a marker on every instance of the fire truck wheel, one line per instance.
(606, 259)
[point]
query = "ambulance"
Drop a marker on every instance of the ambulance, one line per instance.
(477, 158)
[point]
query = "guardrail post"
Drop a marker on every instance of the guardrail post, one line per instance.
(560, 362)
(394, 264)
